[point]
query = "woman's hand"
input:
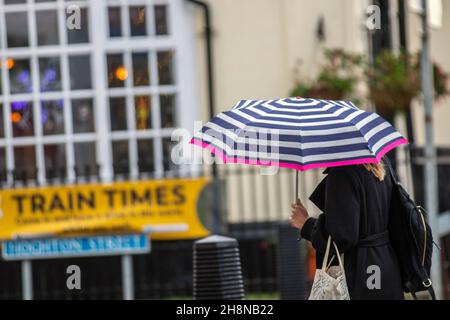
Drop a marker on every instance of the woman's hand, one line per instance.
(299, 214)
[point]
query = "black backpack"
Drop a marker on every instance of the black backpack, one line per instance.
(411, 238)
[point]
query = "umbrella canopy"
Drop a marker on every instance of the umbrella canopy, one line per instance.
(298, 133)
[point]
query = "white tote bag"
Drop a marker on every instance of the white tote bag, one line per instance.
(329, 282)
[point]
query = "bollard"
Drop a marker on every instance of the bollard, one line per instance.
(291, 264)
(217, 269)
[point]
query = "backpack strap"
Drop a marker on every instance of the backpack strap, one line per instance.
(396, 181)
(430, 291)
(391, 170)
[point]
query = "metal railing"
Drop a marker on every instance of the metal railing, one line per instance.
(255, 207)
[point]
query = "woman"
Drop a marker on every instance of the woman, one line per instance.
(355, 202)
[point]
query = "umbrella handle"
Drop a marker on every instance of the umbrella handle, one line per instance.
(297, 199)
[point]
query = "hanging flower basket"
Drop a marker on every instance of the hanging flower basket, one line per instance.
(336, 80)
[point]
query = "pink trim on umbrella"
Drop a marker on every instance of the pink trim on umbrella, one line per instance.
(227, 159)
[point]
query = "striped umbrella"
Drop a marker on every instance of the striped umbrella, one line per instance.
(298, 133)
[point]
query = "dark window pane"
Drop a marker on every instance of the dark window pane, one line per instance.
(138, 21)
(3, 174)
(121, 163)
(167, 103)
(168, 163)
(17, 29)
(85, 158)
(80, 72)
(115, 22)
(118, 114)
(145, 154)
(75, 34)
(22, 118)
(82, 116)
(52, 116)
(143, 112)
(2, 124)
(55, 160)
(117, 74)
(15, 1)
(140, 69)
(165, 67)
(20, 76)
(25, 162)
(47, 27)
(50, 74)
(161, 27)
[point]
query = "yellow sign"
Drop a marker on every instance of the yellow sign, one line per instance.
(165, 208)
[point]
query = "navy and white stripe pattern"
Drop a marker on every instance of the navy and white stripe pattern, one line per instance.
(298, 133)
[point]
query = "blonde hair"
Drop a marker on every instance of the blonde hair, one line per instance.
(377, 169)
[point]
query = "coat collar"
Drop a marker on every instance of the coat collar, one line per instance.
(318, 195)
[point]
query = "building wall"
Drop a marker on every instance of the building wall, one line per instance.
(440, 53)
(100, 100)
(257, 46)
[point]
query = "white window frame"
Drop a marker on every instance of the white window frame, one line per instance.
(181, 39)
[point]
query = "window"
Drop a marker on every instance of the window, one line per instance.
(79, 35)
(165, 67)
(73, 105)
(143, 112)
(82, 116)
(115, 22)
(47, 27)
(17, 29)
(3, 173)
(120, 157)
(167, 103)
(52, 115)
(15, 1)
(141, 75)
(117, 73)
(146, 156)
(2, 125)
(143, 91)
(25, 162)
(85, 159)
(168, 162)
(80, 72)
(22, 118)
(55, 161)
(50, 74)
(20, 76)
(51, 97)
(138, 21)
(118, 114)
(161, 27)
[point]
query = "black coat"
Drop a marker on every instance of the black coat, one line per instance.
(356, 215)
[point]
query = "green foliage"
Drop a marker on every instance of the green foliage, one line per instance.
(441, 82)
(393, 79)
(336, 78)
(300, 90)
